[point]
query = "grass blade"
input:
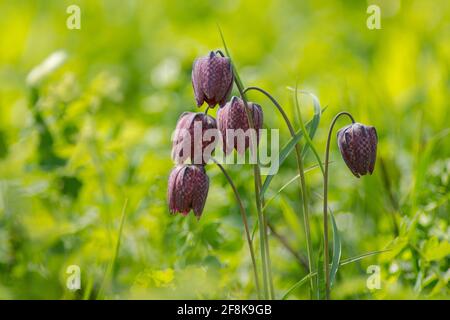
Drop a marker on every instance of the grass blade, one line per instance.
(110, 270)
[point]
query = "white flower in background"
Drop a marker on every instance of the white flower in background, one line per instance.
(49, 65)
(166, 73)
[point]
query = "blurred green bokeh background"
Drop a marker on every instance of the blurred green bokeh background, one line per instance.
(96, 132)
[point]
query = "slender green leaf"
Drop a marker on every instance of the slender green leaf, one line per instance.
(287, 149)
(227, 52)
(321, 285)
(288, 183)
(336, 250)
(344, 262)
(314, 124)
(315, 120)
(298, 285)
(308, 136)
(284, 153)
(362, 256)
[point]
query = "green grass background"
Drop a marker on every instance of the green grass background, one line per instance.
(96, 133)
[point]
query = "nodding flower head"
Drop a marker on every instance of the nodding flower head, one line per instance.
(234, 117)
(212, 79)
(358, 146)
(194, 138)
(187, 189)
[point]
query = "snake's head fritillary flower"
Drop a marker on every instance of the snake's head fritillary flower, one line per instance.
(195, 138)
(358, 146)
(187, 189)
(232, 122)
(212, 79)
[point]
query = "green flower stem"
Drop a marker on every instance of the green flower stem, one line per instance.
(302, 186)
(244, 220)
(261, 217)
(326, 265)
(265, 252)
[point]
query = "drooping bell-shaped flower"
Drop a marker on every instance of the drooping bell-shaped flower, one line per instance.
(187, 189)
(212, 79)
(358, 146)
(232, 122)
(195, 138)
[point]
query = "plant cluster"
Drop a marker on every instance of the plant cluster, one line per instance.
(212, 80)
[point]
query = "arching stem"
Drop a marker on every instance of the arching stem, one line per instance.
(326, 265)
(246, 228)
(302, 186)
(265, 252)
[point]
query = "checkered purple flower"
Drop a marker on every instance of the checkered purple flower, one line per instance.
(187, 189)
(234, 117)
(212, 79)
(358, 146)
(192, 139)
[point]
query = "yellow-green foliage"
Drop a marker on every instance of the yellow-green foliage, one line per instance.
(96, 132)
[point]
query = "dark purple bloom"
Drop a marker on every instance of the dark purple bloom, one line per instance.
(191, 139)
(212, 79)
(187, 189)
(233, 124)
(358, 146)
